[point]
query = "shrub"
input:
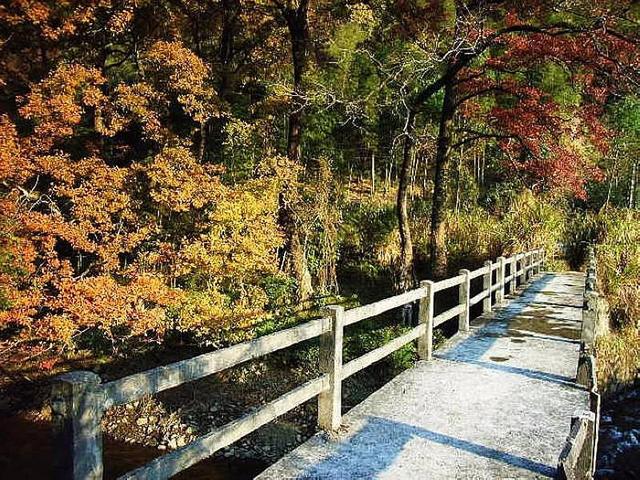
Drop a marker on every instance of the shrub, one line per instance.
(472, 237)
(533, 222)
(618, 358)
(618, 254)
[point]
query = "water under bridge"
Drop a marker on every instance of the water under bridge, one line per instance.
(498, 400)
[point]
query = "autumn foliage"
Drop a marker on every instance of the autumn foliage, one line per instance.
(95, 237)
(166, 166)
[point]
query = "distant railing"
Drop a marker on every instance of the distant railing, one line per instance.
(79, 399)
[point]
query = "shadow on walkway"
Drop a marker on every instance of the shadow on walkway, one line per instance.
(376, 446)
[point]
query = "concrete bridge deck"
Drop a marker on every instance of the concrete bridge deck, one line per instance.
(495, 403)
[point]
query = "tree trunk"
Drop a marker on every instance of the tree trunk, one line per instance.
(231, 10)
(213, 133)
(298, 27)
(437, 237)
(373, 173)
(405, 273)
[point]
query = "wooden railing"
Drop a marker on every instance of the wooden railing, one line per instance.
(79, 398)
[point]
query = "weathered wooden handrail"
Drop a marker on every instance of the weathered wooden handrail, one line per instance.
(448, 283)
(448, 315)
(577, 460)
(79, 399)
(379, 353)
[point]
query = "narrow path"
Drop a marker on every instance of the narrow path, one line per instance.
(495, 403)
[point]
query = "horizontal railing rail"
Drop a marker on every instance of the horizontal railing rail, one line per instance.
(374, 309)
(134, 387)
(448, 283)
(79, 399)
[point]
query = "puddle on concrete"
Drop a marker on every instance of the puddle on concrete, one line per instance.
(538, 321)
(499, 359)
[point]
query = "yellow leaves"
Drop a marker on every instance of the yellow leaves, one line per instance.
(62, 328)
(240, 233)
(201, 309)
(244, 229)
(211, 311)
(178, 183)
(363, 14)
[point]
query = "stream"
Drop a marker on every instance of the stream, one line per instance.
(619, 442)
(26, 453)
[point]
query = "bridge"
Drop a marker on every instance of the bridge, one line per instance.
(497, 400)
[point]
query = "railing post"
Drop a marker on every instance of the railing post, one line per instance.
(425, 315)
(463, 299)
(532, 261)
(501, 275)
(576, 459)
(523, 275)
(330, 401)
(533, 264)
(77, 412)
(586, 372)
(486, 285)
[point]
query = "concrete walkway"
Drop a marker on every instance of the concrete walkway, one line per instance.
(495, 403)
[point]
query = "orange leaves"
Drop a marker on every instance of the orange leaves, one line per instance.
(108, 221)
(139, 305)
(177, 70)
(140, 103)
(57, 104)
(120, 20)
(55, 19)
(13, 166)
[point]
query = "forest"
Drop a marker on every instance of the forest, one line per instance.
(201, 172)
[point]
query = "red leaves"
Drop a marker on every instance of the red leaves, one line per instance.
(554, 144)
